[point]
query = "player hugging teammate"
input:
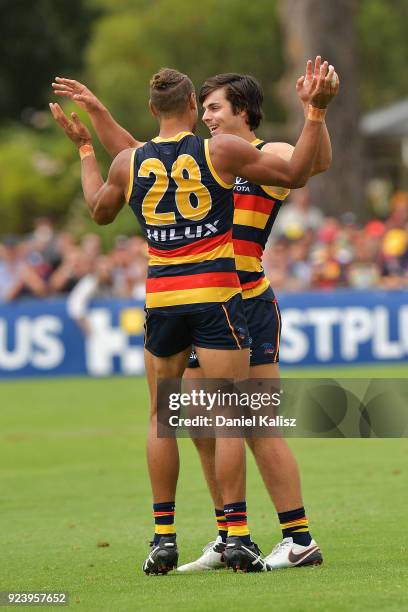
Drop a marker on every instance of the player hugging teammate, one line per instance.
(205, 285)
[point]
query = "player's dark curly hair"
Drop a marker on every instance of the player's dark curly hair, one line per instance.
(241, 90)
(169, 91)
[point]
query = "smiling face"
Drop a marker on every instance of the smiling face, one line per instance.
(219, 116)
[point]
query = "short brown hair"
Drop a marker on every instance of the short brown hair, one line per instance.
(242, 91)
(169, 91)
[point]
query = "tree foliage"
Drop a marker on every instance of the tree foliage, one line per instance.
(383, 51)
(39, 175)
(128, 47)
(38, 40)
(116, 45)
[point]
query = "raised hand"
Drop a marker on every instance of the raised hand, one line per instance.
(79, 93)
(74, 129)
(304, 83)
(322, 84)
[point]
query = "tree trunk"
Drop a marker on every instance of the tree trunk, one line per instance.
(323, 27)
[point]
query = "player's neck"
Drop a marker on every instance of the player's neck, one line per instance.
(246, 134)
(173, 126)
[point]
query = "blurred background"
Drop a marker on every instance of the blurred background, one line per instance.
(75, 499)
(71, 292)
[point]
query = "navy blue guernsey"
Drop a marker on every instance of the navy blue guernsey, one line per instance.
(256, 208)
(186, 214)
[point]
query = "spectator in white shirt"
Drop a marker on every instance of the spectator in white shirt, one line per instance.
(95, 285)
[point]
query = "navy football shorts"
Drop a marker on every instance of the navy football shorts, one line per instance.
(264, 326)
(222, 326)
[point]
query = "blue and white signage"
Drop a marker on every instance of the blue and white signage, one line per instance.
(343, 327)
(38, 338)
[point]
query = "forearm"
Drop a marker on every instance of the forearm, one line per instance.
(59, 278)
(292, 170)
(305, 153)
(104, 199)
(323, 157)
(114, 137)
(34, 282)
(91, 179)
(15, 291)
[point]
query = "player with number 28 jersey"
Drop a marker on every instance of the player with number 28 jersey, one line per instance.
(186, 215)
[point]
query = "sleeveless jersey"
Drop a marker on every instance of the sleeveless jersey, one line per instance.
(185, 211)
(256, 208)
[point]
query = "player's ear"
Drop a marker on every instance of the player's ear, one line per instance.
(244, 114)
(193, 101)
(153, 110)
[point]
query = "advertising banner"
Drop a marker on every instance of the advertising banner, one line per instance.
(38, 338)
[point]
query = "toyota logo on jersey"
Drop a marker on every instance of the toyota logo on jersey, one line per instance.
(241, 185)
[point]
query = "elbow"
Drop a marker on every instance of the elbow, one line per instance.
(322, 167)
(102, 215)
(294, 180)
(298, 182)
(327, 164)
(101, 219)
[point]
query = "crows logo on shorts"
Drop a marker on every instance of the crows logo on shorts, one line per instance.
(268, 348)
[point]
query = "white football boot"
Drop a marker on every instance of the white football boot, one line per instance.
(211, 559)
(289, 554)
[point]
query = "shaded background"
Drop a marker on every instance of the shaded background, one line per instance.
(69, 448)
(115, 46)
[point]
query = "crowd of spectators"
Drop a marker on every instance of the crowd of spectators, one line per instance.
(306, 250)
(48, 263)
(310, 251)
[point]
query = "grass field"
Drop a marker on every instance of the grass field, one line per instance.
(76, 512)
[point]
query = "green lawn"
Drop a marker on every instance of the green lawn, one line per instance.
(73, 477)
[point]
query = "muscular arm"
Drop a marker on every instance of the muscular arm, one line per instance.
(105, 199)
(323, 157)
(233, 156)
(303, 88)
(113, 137)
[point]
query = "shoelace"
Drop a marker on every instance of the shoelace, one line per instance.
(258, 550)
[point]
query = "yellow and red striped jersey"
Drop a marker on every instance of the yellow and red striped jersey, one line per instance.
(186, 212)
(256, 208)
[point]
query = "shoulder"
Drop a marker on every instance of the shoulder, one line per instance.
(228, 140)
(227, 144)
(120, 166)
(124, 156)
(282, 149)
